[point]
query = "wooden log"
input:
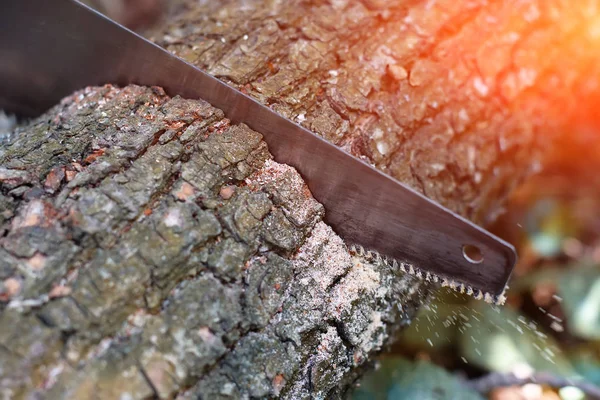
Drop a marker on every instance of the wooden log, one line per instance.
(148, 248)
(461, 100)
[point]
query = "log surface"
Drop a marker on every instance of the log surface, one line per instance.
(149, 247)
(459, 99)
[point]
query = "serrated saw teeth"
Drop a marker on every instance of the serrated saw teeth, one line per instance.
(427, 276)
(488, 298)
(501, 299)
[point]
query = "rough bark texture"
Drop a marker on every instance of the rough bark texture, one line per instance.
(460, 99)
(148, 247)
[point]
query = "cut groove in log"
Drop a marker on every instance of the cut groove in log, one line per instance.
(150, 247)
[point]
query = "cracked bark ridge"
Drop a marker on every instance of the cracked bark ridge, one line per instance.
(148, 247)
(459, 99)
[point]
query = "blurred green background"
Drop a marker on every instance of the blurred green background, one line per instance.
(551, 321)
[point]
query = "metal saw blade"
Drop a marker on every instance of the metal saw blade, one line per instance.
(49, 49)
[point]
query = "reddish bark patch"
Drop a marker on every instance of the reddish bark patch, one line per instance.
(11, 288)
(37, 262)
(54, 179)
(94, 156)
(227, 192)
(36, 213)
(185, 191)
(278, 383)
(59, 291)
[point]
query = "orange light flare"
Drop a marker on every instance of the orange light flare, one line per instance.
(561, 66)
(562, 105)
(552, 83)
(487, 91)
(575, 87)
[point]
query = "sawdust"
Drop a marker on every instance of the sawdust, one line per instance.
(173, 218)
(323, 257)
(374, 335)
(362, 279)
(324, 260)
(270, 173)
(288, 190)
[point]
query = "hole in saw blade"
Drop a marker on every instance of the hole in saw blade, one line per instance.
(472, 254)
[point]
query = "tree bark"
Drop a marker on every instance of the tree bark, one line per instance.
(150, 248)
(459, 99)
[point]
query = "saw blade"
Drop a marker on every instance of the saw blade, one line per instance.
(49, 49)
(427, 276)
